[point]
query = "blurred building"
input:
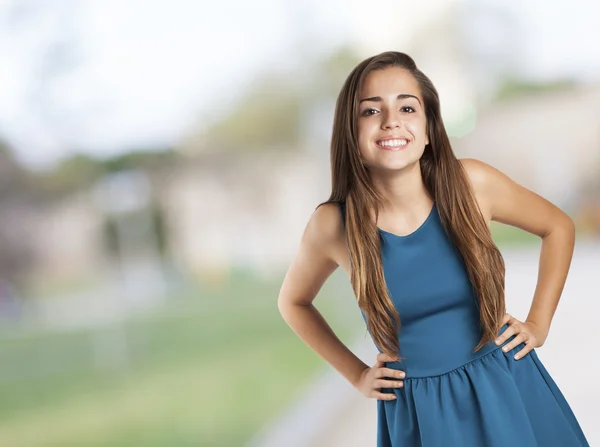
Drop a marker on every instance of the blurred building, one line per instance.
(549, 142)
(248, 210)
(68, 239)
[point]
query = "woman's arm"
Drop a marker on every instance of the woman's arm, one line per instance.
(312, 265)
(512, 204)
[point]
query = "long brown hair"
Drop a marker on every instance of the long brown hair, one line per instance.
(445, 180)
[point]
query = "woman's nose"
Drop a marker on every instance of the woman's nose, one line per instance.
(391, 120)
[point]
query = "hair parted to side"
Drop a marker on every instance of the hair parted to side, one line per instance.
(445, 180)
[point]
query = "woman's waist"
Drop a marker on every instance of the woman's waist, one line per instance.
(434, 354)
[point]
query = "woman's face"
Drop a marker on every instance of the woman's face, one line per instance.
(391, 120)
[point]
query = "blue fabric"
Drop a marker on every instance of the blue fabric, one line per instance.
(452, 396)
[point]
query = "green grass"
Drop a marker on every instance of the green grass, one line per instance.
(208, 369)
(509, 236)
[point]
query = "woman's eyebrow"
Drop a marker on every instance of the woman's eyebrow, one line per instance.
(400, 96)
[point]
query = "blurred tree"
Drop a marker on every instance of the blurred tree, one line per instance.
(11, 173)
(267, 115)
(110, 231)
(159, 222)
(335, 68)
(273, 110)
(73, 173)
(80, 171)
(510, 87)
(148, 160)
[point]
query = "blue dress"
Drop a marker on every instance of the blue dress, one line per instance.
(452, 396)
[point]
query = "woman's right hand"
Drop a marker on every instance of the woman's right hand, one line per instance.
(376, 377)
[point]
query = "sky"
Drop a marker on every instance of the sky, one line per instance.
(141, 71)
(108, 76)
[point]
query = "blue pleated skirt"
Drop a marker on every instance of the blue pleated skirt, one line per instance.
(492, 401)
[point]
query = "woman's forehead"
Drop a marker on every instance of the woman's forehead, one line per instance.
(389, 81)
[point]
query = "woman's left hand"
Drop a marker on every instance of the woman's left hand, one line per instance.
(525, 332)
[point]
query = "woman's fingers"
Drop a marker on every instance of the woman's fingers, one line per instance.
(523, 352)
(389, 372)
(389, 383)
(382, 357)
(383, 396)
(508, 332)
(520, 338)
(380, 383)
(521, 335)
(382, 372)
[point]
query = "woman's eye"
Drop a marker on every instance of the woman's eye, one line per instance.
(370, 111)
(367, 112)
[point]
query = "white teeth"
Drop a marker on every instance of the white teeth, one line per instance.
(391, 143)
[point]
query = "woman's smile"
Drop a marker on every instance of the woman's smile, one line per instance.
(392, 144)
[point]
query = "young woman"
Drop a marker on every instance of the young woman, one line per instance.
(409, 223)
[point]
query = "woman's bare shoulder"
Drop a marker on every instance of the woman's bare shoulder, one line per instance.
(326, 232)
(319, 254)
(326, 225)
(477, 173)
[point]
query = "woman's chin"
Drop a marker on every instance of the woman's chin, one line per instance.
(398, 163)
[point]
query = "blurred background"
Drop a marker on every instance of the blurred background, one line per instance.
(159, 161)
